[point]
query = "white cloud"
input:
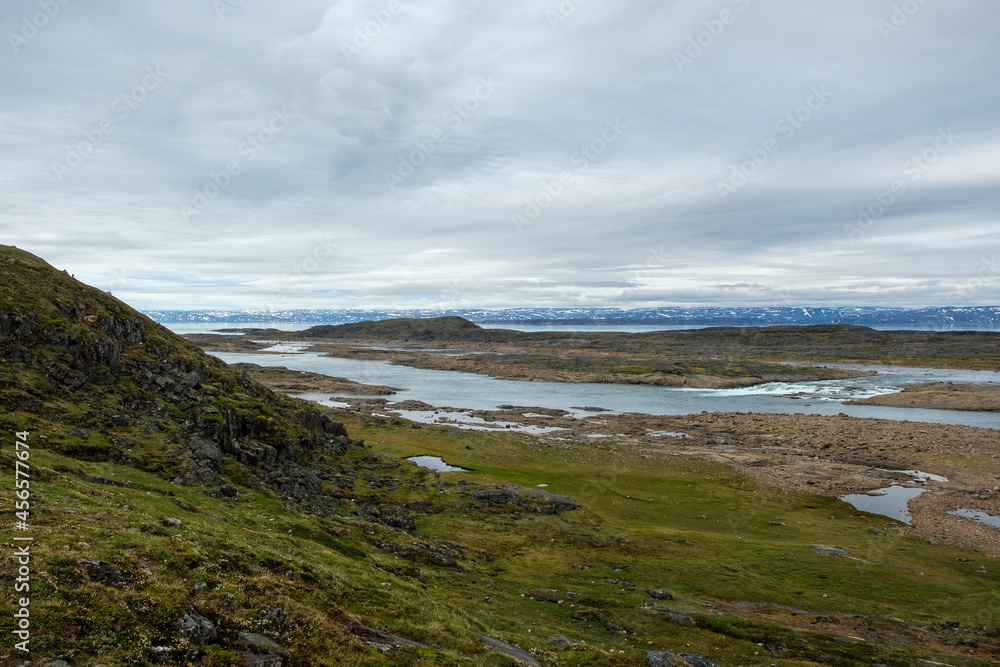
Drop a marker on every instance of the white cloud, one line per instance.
(639, 223)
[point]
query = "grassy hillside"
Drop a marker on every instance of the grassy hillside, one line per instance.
(183, 514)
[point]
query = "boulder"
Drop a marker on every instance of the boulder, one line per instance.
(262, 651)
(197, 628)
(532, 500)
(668, 659)
(104, 573)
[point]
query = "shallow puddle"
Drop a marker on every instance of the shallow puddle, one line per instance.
(919, 475)
(434, 463)
(976, 515)
(890, 501)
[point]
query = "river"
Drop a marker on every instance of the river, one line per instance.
(479, 392)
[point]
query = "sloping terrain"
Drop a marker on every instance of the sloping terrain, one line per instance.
(181, 513)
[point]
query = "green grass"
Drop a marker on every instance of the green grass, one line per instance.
(326, 571)
(695, 528)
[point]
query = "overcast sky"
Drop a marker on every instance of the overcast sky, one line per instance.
(489, 153)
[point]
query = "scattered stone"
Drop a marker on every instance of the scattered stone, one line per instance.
(559, 640)
(104, 573)
(830, 550)
(201, 585)
(513, 652)
(569, 595)
(586, 616)
(674, 615)
(437, 554)
(79, 433)
(196, 656)
(730, 568)
(275, 616)
(262, 650)
(613, 627)
(375, 636)
(686, 543)
(184, 506)
(669, 659)
(545, 594)
(659, 594)
(698, 661)
(777, 650)
(875, 531)
(827, 619)
(172, 521)
(197, 628)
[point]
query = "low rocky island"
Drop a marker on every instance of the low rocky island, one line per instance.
(941, 396)
(290, 381)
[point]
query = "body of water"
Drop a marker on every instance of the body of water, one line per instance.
(479, 392)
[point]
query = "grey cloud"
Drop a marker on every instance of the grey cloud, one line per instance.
(639, 222)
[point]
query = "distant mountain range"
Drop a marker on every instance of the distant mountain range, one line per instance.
(975, 318)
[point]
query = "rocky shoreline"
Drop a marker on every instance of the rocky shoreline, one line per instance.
(285, 380)
(941, 396)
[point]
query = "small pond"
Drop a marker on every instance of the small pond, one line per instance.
(976, 515)
(434, 463)
(891, 501)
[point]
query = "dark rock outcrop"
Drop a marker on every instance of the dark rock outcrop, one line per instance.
(262, 651)
(531, 500)
(104, 573)
(197, 628)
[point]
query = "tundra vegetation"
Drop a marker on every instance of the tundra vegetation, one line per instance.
(183, 513)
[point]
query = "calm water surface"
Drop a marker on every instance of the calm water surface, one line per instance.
(477, 392)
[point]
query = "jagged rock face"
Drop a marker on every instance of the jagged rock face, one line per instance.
(64, 343)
